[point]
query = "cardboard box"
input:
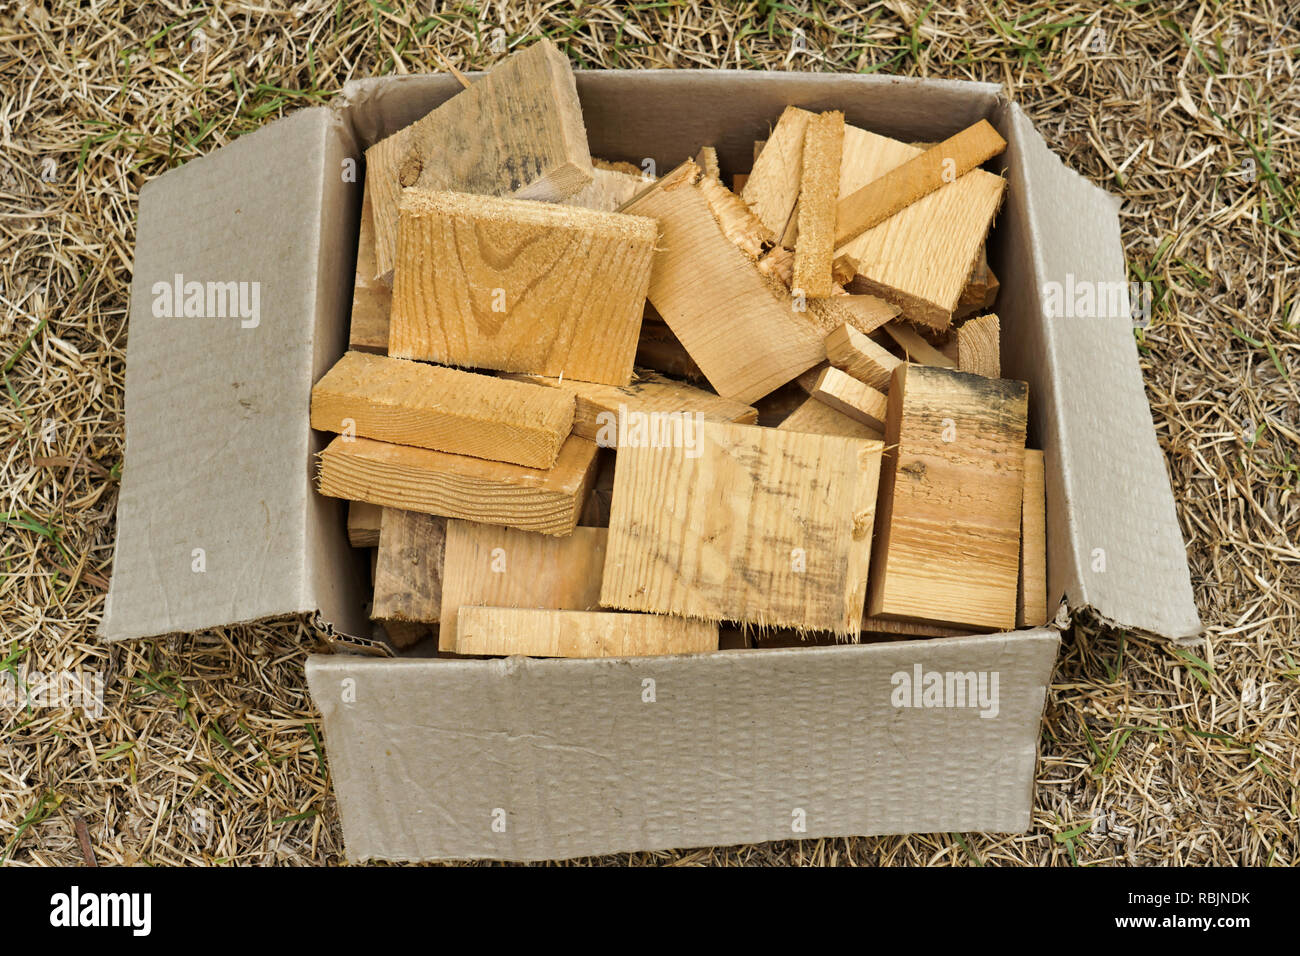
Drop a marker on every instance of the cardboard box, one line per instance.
(522, 759)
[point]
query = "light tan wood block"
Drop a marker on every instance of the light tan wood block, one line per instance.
(766, 526)
(979, 346)
(948, 546)
(847, 395)
(981, 289)
(517, 131)
(917, 349)
(372, 300)
(612, 184)
(818, 189)
(1031, 604)
(458, 486)
(544, 633)
(409, 566)
(818, 418)
(773, 185)
(413, 403)
(363, 524)
(852, 352)
(520, 286)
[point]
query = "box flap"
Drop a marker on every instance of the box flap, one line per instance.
(525, 759)
(216, 523)
(1115, 542)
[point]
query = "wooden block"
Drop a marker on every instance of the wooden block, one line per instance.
(610, 188)
(979, 346)
(537, 287)
(917, 349)
(851, 351)
(847, 395)
(502, 567)
(409, 566)
(818, 418)
(603, 410)
(517, 131)
(765, 526)
(948, 546)
(739, 325)
(459, 486)
(921, 257)
(543, 633)
(1031, 602)
(981, 289)
(819, 186)
(411, 403)
(363, 524)
(372, 300)
(773, 185)
(921, 175)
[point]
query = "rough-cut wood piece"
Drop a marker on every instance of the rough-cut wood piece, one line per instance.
(543, 633)
(518, 131)
(921, 257)
(458, 486)
(502, 567)
(411, 403)
(818, 418)
(766, 526)
(847, 395)
(611, 186)
(1031, 601)
(602, 410)
(981, 289)
(865, 313)
(851, 351)
(737, 220)
(660, 350)
(979, 346)
(363, 524)
(948, 547)
(372, 300)
(520, 286)
(921, 175)
(773, 185)
(739, 325)
(819, 186)
(918, 350)
(409, 566)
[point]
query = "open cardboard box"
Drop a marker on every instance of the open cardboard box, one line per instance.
(218, 521)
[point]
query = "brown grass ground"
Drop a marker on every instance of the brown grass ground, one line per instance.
(208, 751)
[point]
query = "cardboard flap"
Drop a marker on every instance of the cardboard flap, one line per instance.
(1120, 550)
(231, 283)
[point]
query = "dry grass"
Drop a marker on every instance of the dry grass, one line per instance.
(208, 748)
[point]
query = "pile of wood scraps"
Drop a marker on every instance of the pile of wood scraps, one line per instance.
(587, 412)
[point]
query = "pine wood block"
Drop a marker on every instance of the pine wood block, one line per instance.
(409, 566)
(372, 300)
(604, 410)
(503, 567)
(852, 352)
(921, 175)
(535, 287)
(979, 346)
(948, 546)
(847, 395)
(517, 131)
(818, 418)
(921, 257)
(766, 526)
(546, 633)
(773, 185)
(917, 349)
(458, 486)
(612, 184)
(1031, 602)
(739, 326)
(818, 189)
(363, 524)
(412, 403)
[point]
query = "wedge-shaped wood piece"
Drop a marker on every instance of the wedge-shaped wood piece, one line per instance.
(917, 349)
(773, 185)
(458, 486)
(1031, 604)
(938, 166)
(372, 300)
(847, 395)
(979, 346)
(651, 402)
(818, 189)
(517, 131)
(502, 567)
(818, 418)
(535, 287)
(740, 325)
(981, 289)
(851, 351)
(411, 403)
(760, 525)
(612, 184)
(363, 524)
(409, 566)
(948, 546)
(543, 633)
